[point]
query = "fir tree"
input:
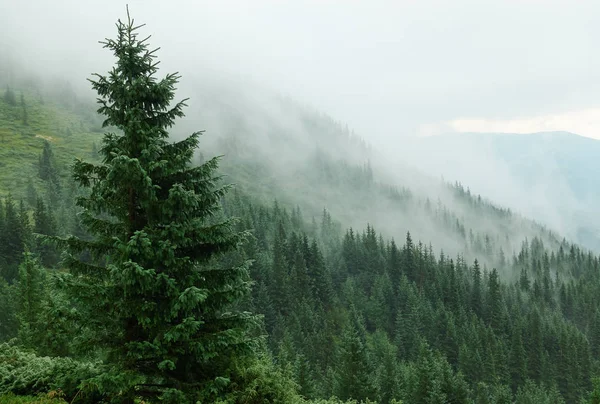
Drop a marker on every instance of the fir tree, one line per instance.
(9, 96)
(353, 379)
(45, 224)
(494, 301)
(46, 167)
(13, 239)
(476, 295)
(31, 296)
(8, 311)
(160, 305)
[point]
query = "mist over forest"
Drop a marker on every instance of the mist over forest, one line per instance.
(301, 202)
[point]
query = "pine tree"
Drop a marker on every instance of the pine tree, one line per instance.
(279, 273)
(31, 292)
(594, 396)
(494, 301)
(524, 282)
(476, 295)
(8, 311)
(353, 378)
(13, 239)
(408, 260)
(517, 360)
(386, 373)
(322, 282)
(45, 224)
(161, 307)
(535, 349)
(46, 167)
(10, 97)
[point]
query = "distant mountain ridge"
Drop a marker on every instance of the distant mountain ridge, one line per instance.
(550, 176)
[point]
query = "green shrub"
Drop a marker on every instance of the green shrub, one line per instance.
(50, 398)
(24, 373)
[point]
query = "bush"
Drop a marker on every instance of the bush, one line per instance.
(50, 398)
(24, 373)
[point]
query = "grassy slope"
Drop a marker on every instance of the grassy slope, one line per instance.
(20, 145)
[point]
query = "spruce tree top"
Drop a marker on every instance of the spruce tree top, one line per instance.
(155, 299)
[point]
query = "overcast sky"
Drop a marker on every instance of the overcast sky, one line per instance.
(387, 68)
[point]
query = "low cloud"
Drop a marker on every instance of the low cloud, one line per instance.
(584, 122)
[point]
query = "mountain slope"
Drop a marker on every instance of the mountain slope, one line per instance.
(275, 148)
(71, 131)
(349, 312)
(551, 177)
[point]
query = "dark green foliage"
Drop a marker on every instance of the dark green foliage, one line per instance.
(157, 299)
(531, 393)
(432, 380)
(478, 351)
(8, 311)
(345, 312)
(45, 224)
(594, 397)
(15, 235)
(477, 292)
(25, 373)
(461, 311)
(31, 292)
(494, 302)
(47, 164)
(260, 382)
(353, 370)
(53, 397)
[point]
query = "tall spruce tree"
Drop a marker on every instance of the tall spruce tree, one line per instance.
(46, 167)
(161, 306)
(31, 291)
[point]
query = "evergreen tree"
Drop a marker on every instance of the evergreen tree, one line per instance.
(322, 282)
(408, 260)
(9, 97)
(594, 396)
(517, 360)
(386, 373)
(353, 379)
(8, 311)
(476, 295)
(31, 293)
(45, 224)
(280, 277)
(46, 166)
(159, 303)
(494, 301)
(13, 239)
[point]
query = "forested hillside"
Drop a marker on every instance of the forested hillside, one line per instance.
(544, 175)
(368, 285)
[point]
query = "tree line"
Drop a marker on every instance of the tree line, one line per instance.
(145, 278)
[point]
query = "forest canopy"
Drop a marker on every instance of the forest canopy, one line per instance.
(138, 275)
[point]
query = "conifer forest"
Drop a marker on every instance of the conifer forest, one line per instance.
(233, 247)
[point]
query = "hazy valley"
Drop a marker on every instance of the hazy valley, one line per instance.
(337, 268)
